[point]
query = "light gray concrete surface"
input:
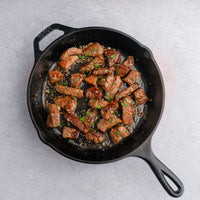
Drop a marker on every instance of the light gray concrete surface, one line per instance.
(31, 170)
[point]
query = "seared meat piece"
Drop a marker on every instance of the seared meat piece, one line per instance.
(92, 80)
(93, 93)
(69, 91)
(95, 135)
(91, 116)
(93, 49)
(107, 82)
(132, 77)
(65, 64)
(95, 103)
(140, 97)
(128, 110)
(113, 57)
(75, 121)
(66, 102)
(114, 88)
(107, 111)
(104, 71)
(94, 64)
(55, 76)
(69, 52)
(53, 118)
(69, 133)
(103, 124)
(118, 133)
(76, 80)
(126, 92)
(123, 68)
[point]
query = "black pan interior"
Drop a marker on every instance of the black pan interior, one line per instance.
(150, 81)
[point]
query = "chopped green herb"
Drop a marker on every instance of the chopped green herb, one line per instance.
(81, 57)
(86, 69)
(95, 122)
(52, 91)
(65, 83)
(68, 124)
(112, 122)
(98, 106)
(57, 124)
(118, 133)
(126, 99)
(112, 56)
(78, 79)
(57, 104)
(101, 89)
(73, 97)
(70, 140)
(93, 100)
(115, 83)
(100, 77)
(75, 45)
(103, 144)
(66, 87)
(95, 49)
(116, 72)
(136, 59)
(87, 54)
(59, 83)
(96, 66)
(147, 98)
(82, 118)
(126, 130)
(123, 104)
(88, 113)
(133, 102)
(109, 98)
(60, 126)
(133, 78)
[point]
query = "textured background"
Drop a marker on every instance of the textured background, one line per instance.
(31, 170)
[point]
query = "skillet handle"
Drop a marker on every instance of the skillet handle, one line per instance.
(45, 32)
(161, 172)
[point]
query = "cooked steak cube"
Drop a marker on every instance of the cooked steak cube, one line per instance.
(69, 91)
(55, 76)
(92, 80)
(132, 77)
(114, 88)
(66, 64)
(97, 103)
(107, 111)
(103, 124)
(126, 92)
(75, 121)
(123, 68)
(128, 110)
(76, 80)
(95, 135)
(91, 116)
(140, 97)
(113, 57)
(93, 49)
(97, 62)
(118, 133)
(53, 118)
(69, 52)
(70, 133)
(93, 93)
(104, 71)
(107, 82)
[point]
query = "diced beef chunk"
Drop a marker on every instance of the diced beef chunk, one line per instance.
(103, 124)
(55, 76)
(70, 133)
(97, 62)
(93, 93)
(53, 118)
(128, 110)
(95, 135)
(104, 71)
(91, 116)
(97, 103)
(113, 57)
(69, 91)
(93, 49)
(140, 97)
(107, 111)
(126, 92)
(66, 102)
(76, 80)
(107, 82)
(75, 121)
(67, 63)
(92, 80)
(123, 68)
(132, 77)
(114, 88)
(118, 133)
(69, 52)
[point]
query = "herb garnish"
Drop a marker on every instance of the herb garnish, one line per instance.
(118, 133)
(98, 106)
(123, 104)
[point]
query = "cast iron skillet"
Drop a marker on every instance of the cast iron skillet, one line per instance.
(137, 144)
